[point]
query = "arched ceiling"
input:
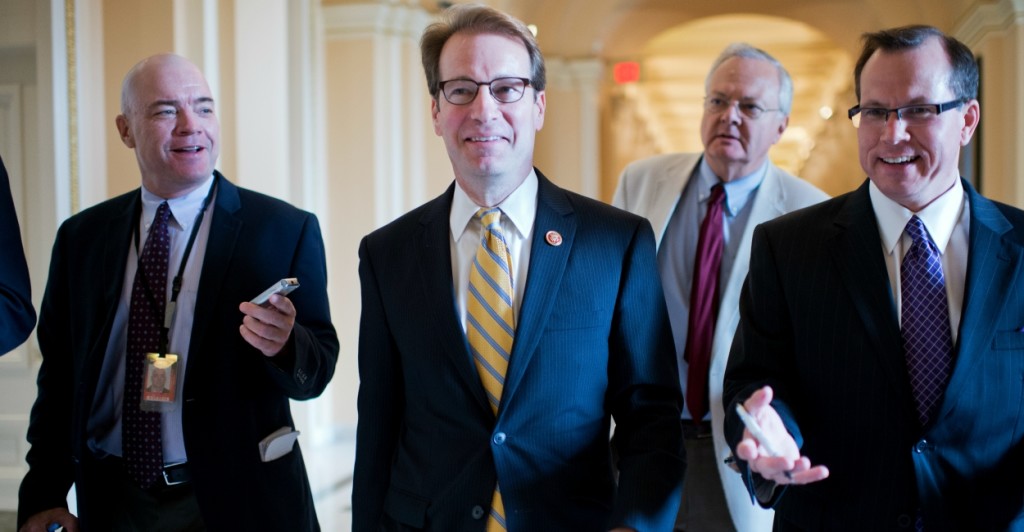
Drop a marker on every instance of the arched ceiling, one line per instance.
(584, 28)
(675, 42)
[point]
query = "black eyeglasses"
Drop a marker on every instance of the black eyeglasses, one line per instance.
(504, 90)
(918, 113)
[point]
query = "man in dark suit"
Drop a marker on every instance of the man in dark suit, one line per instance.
(917, 423)
(238, 363)
(482, 411)
(17, 317)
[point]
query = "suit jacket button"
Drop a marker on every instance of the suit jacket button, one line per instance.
(478, 512)
(498, 438)
(903, 521)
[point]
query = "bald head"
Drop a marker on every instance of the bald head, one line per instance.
(168, 119)
(144, 70)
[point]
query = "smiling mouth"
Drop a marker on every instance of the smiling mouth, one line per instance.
(188, 149)
(899, 160)
(484, 139)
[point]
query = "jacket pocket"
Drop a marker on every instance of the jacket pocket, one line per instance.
(1008, 340)
(406, 508)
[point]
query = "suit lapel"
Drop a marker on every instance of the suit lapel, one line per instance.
(433, 254)
(547, 265)
(667, 191)
(120, 227)
(991, 266)
(856, 249)
(225, 227)
(124, 219)
(767, 204)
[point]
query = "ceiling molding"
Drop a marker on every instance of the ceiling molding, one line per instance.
(360, 21)
(989, 18)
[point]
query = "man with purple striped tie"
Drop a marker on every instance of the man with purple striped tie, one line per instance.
(882, 332)
(506, 323)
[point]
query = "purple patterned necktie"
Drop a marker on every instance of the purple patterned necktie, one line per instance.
(140, 431)
(927, 338)
(704, 305)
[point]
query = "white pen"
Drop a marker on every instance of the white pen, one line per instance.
(755, 430)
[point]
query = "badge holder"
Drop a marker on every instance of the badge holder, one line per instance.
(159, 383)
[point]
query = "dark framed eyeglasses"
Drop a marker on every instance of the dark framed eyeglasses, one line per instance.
(503, 90)
(918, 113)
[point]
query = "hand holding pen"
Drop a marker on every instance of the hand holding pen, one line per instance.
(767, 446)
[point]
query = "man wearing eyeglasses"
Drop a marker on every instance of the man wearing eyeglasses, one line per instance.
(506, 323)
(880, 346)
(729, 188)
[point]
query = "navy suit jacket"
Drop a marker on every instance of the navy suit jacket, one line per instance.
(233, 395)
(592, 342)
(819, 324)
(17, 317)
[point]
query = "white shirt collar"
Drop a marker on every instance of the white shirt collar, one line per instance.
(520, 207)
(939, 217)
(183, 209)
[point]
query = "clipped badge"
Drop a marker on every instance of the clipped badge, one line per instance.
(159, 382)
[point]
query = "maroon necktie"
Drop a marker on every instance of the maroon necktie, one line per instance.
(140, 430)
(704, 305)
(927, 337)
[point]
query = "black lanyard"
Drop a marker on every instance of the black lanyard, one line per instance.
(176, 283)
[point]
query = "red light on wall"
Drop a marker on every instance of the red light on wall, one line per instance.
(626, 72)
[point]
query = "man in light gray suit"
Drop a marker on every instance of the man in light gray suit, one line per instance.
(746, 110)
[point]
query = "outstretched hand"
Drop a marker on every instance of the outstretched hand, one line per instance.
(787, 466)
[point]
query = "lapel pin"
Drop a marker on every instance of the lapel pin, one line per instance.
(553, 238)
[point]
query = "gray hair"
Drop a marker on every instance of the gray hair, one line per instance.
(747, 51)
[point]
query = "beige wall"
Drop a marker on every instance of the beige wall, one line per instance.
(1002, 113)
(133, 30)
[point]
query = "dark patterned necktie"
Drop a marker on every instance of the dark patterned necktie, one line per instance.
(704, 305)
(927, 338)
(140, 430)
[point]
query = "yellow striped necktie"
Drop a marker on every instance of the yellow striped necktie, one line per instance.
(490, 325)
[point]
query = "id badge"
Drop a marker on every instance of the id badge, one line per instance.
(159, 382)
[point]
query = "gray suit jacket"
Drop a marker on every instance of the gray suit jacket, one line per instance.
(651, 187)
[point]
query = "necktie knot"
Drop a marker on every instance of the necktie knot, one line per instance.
(489, 217)
(717, 195)
(917, 232)
(163, 214)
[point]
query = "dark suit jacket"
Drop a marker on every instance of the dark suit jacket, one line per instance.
(17, 317)
(233, 395)
(819, 324)
(592, 340)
